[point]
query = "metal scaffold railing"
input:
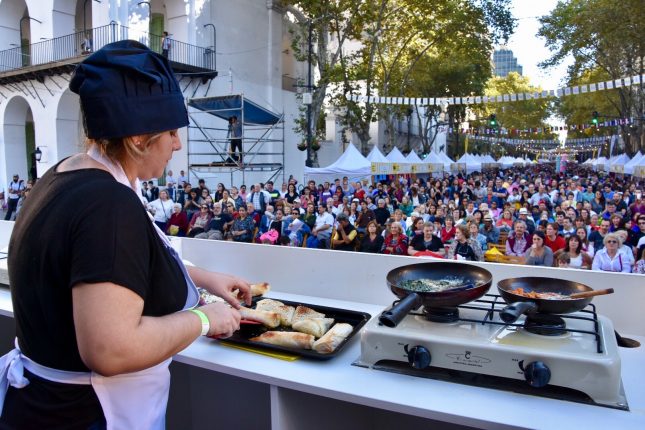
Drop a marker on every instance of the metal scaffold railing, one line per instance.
(211, 137)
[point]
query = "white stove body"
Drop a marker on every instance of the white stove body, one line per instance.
(503, 351)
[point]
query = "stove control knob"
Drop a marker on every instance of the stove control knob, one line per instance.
(419, 357)
(537, 374)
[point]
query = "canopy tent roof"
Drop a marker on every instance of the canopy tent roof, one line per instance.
(225, 107)
(433, 158)
(472, 164)
(413, 158)
(376, 156)
(620, 160)
(351, 164)
(636, 159)
(395, 156)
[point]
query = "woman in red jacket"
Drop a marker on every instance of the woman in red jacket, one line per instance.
(178, 223)
(396, 243)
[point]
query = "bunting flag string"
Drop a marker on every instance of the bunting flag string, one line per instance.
(587, 141)
(468, 100)
(538, 130)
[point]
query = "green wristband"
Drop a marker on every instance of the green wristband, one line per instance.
(206, 325)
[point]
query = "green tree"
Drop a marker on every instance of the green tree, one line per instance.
(605, 38)
(409, 37)
(531, 113)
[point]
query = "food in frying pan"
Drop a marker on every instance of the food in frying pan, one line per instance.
(426, 285)
(334, 337)
(314, 326)
(289, 339)
(286, 312)
(269, 319)
(303, 313)
(536, 295)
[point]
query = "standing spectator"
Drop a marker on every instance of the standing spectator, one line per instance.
(165, 44)
(16, 188)
(243, 193)
(183, 179)
(191, 205)
(235, 134)
(171, 182)
(608, 259)
(291, 193)
(259, 197)
(161, 209)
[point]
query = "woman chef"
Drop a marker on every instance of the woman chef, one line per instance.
(101, 300)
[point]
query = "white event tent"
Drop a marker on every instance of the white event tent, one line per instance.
(629, 166)
(351, 164)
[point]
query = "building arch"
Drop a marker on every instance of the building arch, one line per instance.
(69, 133)
(18, 138)
(10, 14)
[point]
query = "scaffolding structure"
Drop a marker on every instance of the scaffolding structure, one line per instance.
(209, 143)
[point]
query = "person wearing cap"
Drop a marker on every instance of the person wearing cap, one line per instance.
(344, 238)
(16, 187)
(490, 230)
(523, 215)
(104, 303)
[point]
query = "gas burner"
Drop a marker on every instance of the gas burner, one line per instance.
(545, 324)
(539, 355)
(441, 315)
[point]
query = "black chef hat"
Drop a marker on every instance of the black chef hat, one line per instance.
(127, 90)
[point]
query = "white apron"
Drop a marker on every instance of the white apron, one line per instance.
(134, 400)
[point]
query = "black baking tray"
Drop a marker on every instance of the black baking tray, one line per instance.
(354, 318)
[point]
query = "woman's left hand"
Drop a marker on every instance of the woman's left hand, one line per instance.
(223, 285)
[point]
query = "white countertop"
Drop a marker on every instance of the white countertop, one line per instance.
(438, 400)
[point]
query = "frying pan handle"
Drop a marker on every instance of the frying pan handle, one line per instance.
(392, 317)
(512, 312)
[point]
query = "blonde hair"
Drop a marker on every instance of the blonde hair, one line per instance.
(124, 149)
(614, 236)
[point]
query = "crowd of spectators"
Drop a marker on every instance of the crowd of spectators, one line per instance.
(578, 218)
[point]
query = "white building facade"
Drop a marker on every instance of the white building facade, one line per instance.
(246, 41)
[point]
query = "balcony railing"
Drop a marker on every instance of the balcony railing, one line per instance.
(71, 46)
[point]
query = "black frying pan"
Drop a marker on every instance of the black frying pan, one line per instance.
(476, 283)
(519, 304)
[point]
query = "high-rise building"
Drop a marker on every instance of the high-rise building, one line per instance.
(504, 62)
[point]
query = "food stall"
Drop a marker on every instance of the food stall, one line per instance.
(219, 385)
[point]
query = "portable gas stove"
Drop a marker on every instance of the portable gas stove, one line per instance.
(570, 357)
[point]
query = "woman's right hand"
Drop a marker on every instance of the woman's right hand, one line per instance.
(224, 320)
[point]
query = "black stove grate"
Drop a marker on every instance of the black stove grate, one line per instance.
(495, 303)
